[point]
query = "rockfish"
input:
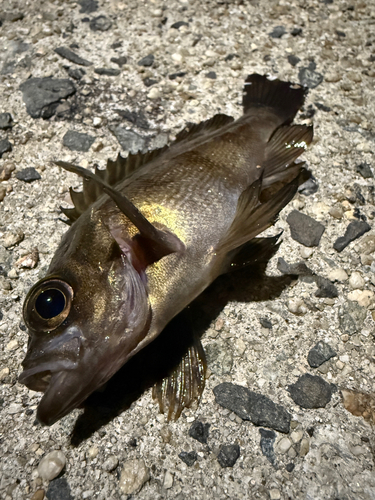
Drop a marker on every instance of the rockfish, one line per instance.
(148, 234)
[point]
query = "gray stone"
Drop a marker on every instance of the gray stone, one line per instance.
(277, 32)
(28, 174)
(120, 61)
(5, 147)
(305, 229)
(309, 187)
(219, 358)
(212, 75)
(76, 141)
(178, 25)
(107, 71)
(51, 465)
(228, 455)
(363, 169)
(189, 458)
(88, 6)
(310, 78)
(267, 442)
(293, 60)
(320, 353)
(6, 121)
(326, 289)
(355, 230)
(199, 431)
(129, 140)
(311, 392)
(76, 73)
(147, 61)
(249, 405)
(72, 56)
(100, 23)
(59, 489)
(43, 95)
(351, 317)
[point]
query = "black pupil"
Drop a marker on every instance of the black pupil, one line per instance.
(50, 303)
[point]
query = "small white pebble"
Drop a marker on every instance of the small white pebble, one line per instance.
(284, 444)
(337, 275)
(306, 252)
(296, 436)
(297, 306)
(154, 93)
(364, 298)
(92, 452)
(13, 344)
(275, 494)
(110, 464)
(304, 448)
(133, 476)
(51, 465)
(4, 373)
(356, 281)
(168, 480)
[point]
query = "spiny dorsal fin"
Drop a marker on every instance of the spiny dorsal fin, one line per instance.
(192, 129)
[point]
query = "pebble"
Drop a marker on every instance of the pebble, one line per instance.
(147, 61)
(228, 455)
(154, 93)
(107, 71)
(364, 169)
(249, 405)
(110, 464)
(5, 147)
(319, 354)
(308, 77)
(6, 171)
(76, 73)
(3, 192)
(212, 75)
(6, 121)
(326, 289)
(337, 275)
(306, 252)
(267, 442)
(351, 317)
(51, 465)
(364, 298)
(366, 245)
(133, 476)
(178, 25)
(356, 281)
(199, 431)
(4, 373)
(274, 494)
(309, 187)
(88, 6)
(354, 230)
(283, 445)
(219, 358)
(42, 95)
(28, 261)
(77, 141)
(72, 56)
(129, 140)
(311, 392)
(277, 32)
(12, 239)
(297, 306)
(28, 174)
(293, 60)
(59, 489)
(304, 447)
(305, 229)
(333, 77)
(296, 436)
(120, 61)
(337, 211)
(189, 458)
(92, 452)
(13, 344)
(38, 495)
(100, 23)
(14, 408)
(168, 480)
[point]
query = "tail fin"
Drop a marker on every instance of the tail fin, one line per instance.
(284, 97)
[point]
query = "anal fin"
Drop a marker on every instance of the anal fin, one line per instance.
(184, 385)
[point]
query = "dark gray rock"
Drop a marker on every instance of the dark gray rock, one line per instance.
(212, 75)
(363, 169)
(351, 317)
(178, 25)
(199, 431)
(28, 174)
(277, 32)
(311, 391)
(228, 454)
(267, 441)
(293, 60)
(88, 6)
(326, 289)
(180, 74)
(100, 23)
(299, 268)
(76, 141)
(129, 140)
(43, 95)
(296, 31)
(107, 71)
(305, 229)
(6, 121)
(149, 82)
(290, 467)
(355, 230)
(137, 118)
(249, 405)
(5, 147)
(310, 78)
(319, 354)
(189, 458)
(72, 56)
(266, 323)
(323, 107)
(309, 187)
(76, 73)
(120, 61)
(59, 489)
(147, 61)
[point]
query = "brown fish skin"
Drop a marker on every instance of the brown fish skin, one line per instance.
(210, 193)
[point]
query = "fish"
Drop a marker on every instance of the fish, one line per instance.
(148, 234)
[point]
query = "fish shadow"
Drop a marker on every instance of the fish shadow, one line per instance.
(157, 360)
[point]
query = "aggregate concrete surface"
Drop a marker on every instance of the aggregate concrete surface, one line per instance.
(190, 71)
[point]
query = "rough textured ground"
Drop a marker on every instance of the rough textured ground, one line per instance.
(331, 450)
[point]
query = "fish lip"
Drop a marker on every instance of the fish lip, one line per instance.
(31, 377)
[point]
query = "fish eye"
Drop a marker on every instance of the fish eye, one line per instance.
(47, 304)
(50, 303)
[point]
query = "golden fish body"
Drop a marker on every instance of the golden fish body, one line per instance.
(138, 254)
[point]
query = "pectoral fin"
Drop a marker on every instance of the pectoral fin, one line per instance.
(161, 242)
(184, 385)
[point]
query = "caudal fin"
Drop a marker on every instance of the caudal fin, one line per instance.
(284, 98)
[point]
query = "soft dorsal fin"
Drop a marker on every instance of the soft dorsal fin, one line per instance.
(160, 242)
(193, 129)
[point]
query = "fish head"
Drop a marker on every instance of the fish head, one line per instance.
(85, 320)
